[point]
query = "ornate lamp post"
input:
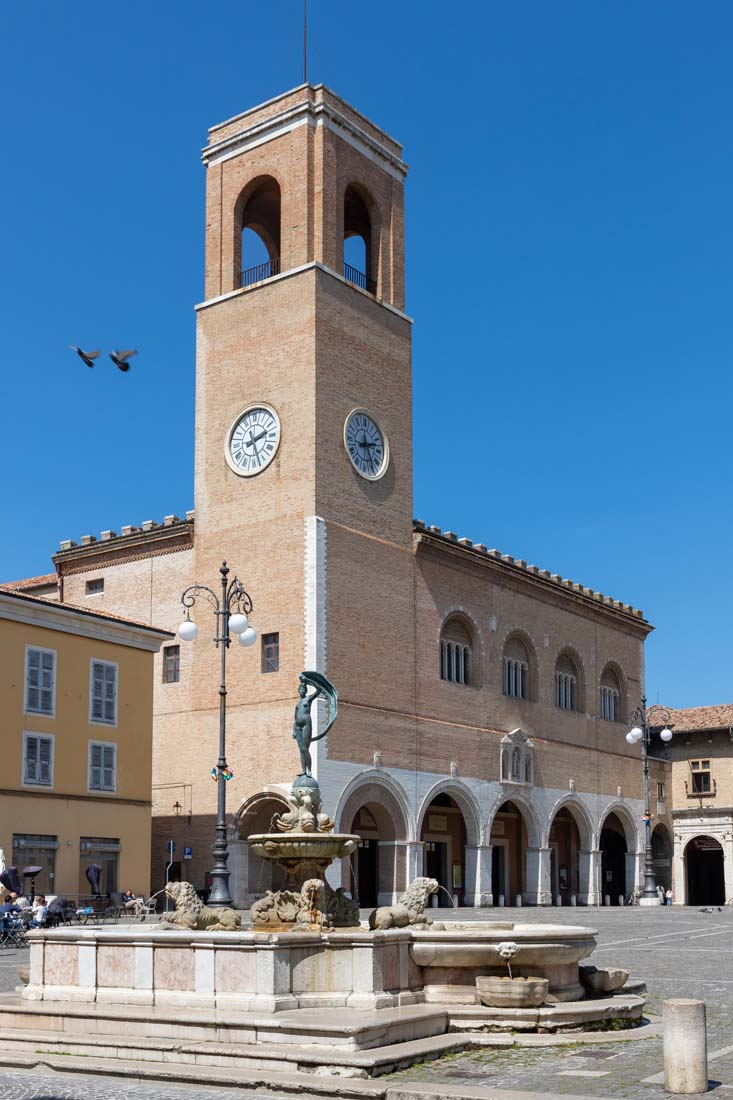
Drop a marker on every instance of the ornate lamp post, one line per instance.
(640, 732)
(229, 623)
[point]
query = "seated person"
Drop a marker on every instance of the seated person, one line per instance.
(20, 900)
(9, 906)
(130, 901)
(40, 910)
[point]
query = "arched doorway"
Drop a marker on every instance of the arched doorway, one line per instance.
(443, 835)
(508, 853)
(662, 856)
(704, 871)
(564, 856)
(614, 851)
(376, 874)
(256, 817)
(257, 244)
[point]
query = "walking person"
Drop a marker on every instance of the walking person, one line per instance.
(668, 897)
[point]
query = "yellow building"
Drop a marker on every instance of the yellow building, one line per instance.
(76, 699)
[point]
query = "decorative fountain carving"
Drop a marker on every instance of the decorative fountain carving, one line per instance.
(409, 910)
(303, 841)
(192, 914)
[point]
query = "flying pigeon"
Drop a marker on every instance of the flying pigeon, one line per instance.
(119, 358)
(87, 357)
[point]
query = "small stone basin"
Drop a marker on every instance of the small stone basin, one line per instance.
(499, 992)
(309, 846)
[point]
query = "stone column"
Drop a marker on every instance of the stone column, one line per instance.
(589, 875)
(679, 879)
(539, 886)
(634, 863)
(728, 867)
(414, 858)
(478, 875)
(391, 868)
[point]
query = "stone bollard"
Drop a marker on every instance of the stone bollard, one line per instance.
(573, 900)
(621, 900)
(501, 901)
(558, 900)
(518, 901)
(606, 899)
(685, 1046)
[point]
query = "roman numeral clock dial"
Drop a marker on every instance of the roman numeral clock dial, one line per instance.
(366, 445)
(253, 440)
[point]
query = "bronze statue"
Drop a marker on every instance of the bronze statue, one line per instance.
(303, 724)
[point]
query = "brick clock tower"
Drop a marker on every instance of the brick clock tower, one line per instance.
(303, 475)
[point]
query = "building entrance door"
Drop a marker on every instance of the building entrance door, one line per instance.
(368, 873)
(705, 882)
(498, 872)
(436, 866)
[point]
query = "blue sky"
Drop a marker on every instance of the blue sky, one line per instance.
(570, 252)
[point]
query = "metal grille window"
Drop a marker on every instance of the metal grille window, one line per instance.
(103, 692)
(609, 704)
(40, 681)
(171, 664)
(270, 652)
(516, 678)
(37, 760)
(102, 766)
(700, 776)
(565, 691)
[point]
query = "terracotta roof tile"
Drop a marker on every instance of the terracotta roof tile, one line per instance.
(4, 588)
(31, 582)
(691, 718)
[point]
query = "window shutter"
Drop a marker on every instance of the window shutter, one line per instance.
(108, 756)
(97, 692)
(33, 693)
(110, 686)
(46, 682)
(95, 768)
(44, 760)
(31, 759)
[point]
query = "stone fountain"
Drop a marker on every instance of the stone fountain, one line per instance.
(307, 987)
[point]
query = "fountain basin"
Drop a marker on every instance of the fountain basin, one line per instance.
(499, 992)
(303, 855)
(452, 957)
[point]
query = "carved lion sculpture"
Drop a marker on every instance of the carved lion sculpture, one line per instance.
(409, 910)
(191, 912)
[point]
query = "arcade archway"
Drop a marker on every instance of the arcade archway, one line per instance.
(662, 856)
(508, 853)
(443, 835)
(376, 874)
(614, 860)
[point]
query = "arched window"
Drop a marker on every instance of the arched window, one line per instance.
(611, 708)
(567, 683)
(456, 653)
(257, 221)
(358, 241)
(517, 668)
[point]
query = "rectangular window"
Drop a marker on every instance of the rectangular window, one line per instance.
(103, 693)
(105, 852)
(700, 776)
(270, 652)
(40, 681)
(171, 664)
(565, 688)
(37, 760)
(102, 766)
(94, 587)
(609, 704)
(660, 791)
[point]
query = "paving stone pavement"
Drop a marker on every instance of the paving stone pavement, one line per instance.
(679, 952)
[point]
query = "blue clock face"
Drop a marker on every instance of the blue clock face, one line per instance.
(253, 440)
(366, 445)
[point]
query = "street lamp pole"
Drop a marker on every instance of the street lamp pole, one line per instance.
(640, 732)
(228, 623)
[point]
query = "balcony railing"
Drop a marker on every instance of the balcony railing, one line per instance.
(358, 278)
(259, 273)
(709, 793)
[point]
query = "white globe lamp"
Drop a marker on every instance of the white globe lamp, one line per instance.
(188, 631)
(238, 623)
(248, 637)
(666, 734)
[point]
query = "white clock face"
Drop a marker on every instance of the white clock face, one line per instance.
(253, 440)
(366, 445)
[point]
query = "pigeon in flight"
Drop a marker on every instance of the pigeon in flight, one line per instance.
(87, 357)
(119, 358)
